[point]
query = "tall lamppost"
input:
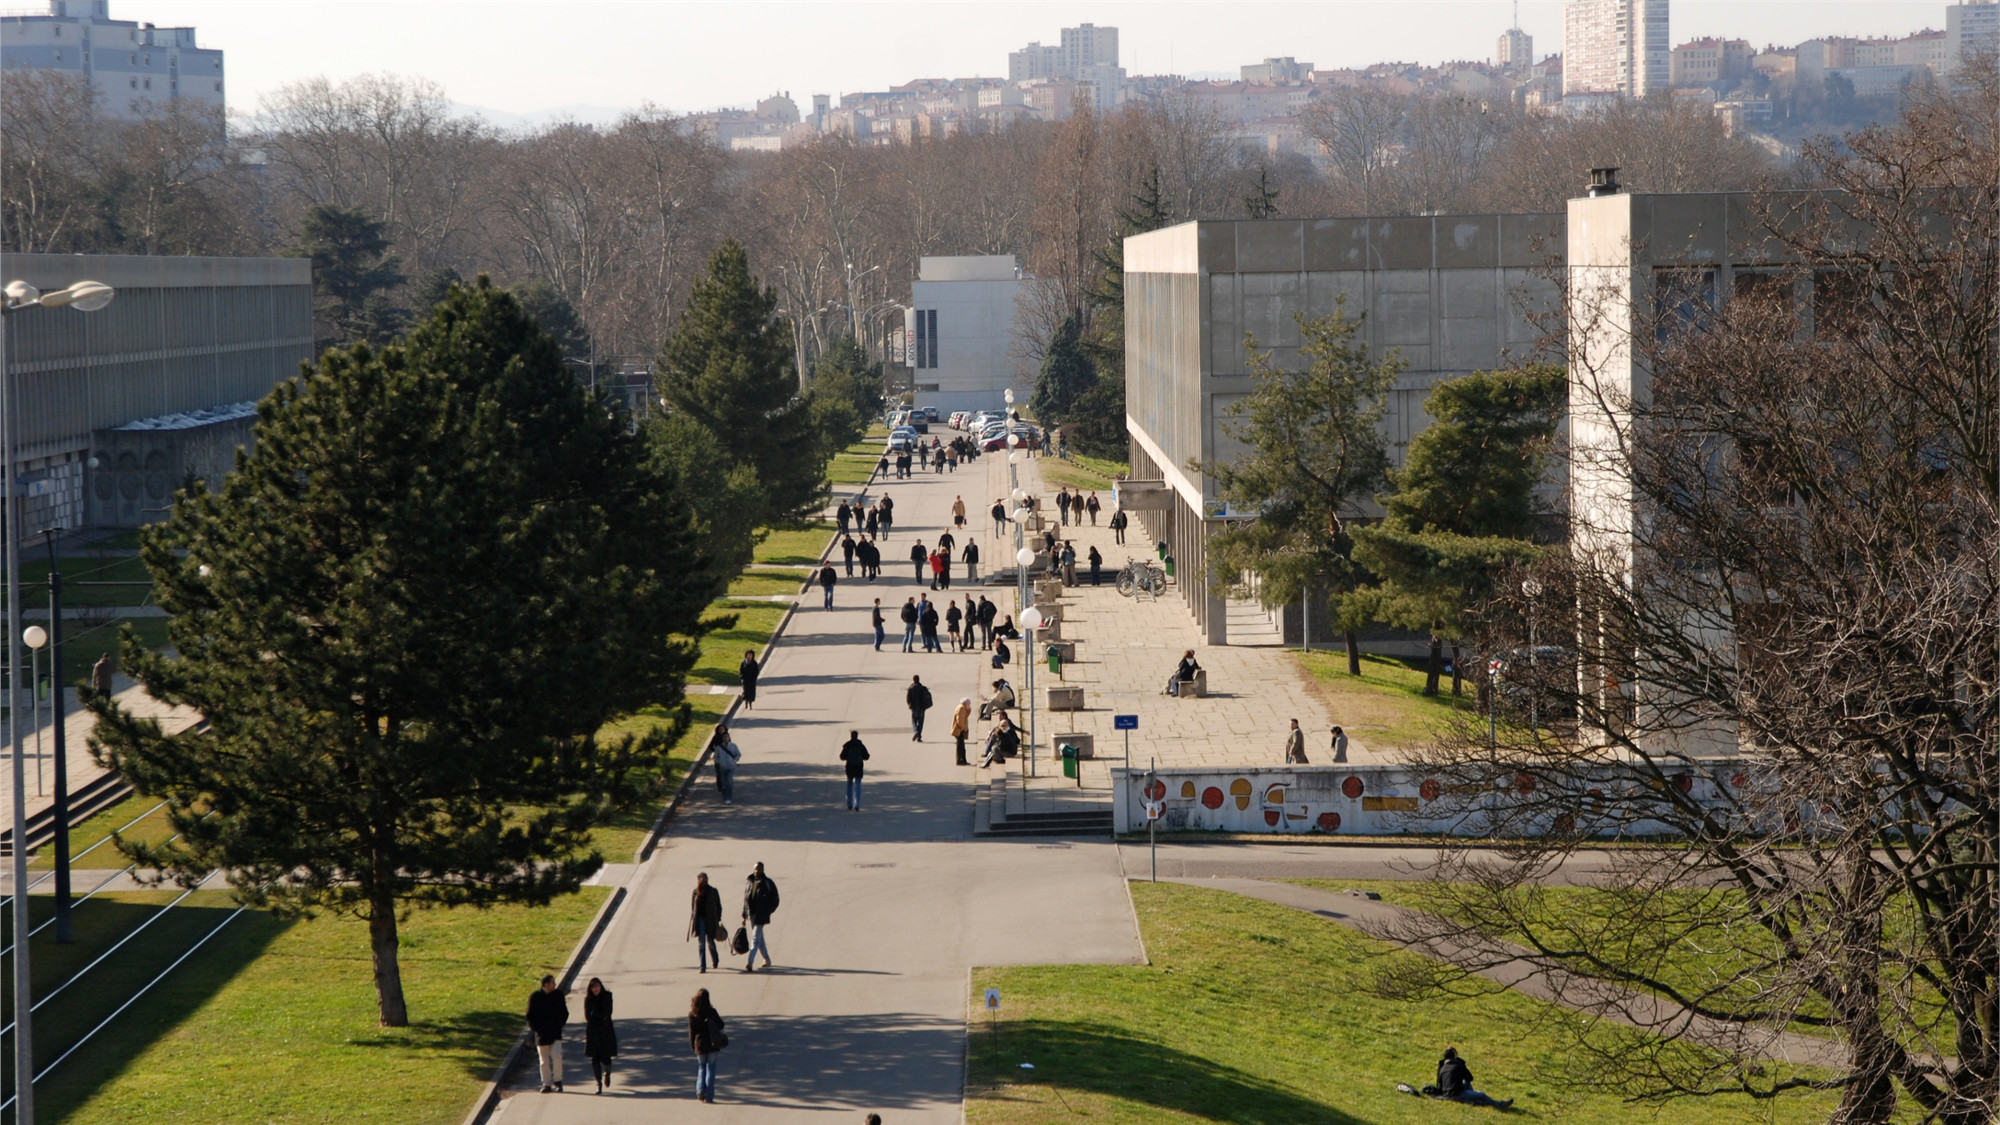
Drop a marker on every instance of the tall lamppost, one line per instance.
(59, 708)
(83, 296)
(1532, 590)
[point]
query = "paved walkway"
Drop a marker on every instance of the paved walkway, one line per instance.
(885, 911)
(83, 769)
(1128, 647)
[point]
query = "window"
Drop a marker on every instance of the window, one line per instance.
(930, 352)
(149, 83)
(919, 356)
(218, 87)
(58, 54)
(58, 31)
(135, 83)
(133, 59)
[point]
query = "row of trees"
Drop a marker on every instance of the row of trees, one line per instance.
(618, 220)
(442, 567)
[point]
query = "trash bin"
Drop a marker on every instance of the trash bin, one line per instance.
(1055, 659)
(1069, 756)
(1160, 548)
(1169, 561)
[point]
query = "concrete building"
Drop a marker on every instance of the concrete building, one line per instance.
(1515, 51)
(1087, 54)
(1449, 294)
(1972, 26)
(1711, 62)
(1614, 48)
(130, 65)
(1272, 71)
(959, 332)
(117, 407)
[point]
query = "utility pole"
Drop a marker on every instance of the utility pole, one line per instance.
(60, 710)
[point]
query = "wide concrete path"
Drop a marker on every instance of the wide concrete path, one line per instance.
(884, 911)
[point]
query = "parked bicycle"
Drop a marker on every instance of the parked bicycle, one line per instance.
(1141, 575)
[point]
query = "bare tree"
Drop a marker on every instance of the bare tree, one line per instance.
(1360, 129)
(1784, 661)
(48, 164)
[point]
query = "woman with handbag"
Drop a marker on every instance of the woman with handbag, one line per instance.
(600, 1039)
(705, 1035)
(705, 922)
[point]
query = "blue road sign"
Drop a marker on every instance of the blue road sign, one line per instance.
(1124, 722)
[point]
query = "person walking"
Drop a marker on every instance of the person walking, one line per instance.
(727, 756)
(920, 558)
(1118, 522)
(1092, 506)
(935, 561)
(705, 922)
(961, 726)
(853, 752)
(1096, 563)
(1069, 563)
(1062, 506)
(971, 558)
(971, 623)
(952, 617)
(1295, 746)
(958, 511)
(999, 519)
(1339, 745)
(871, 559)
(760, 901)
(888, 507)
(909, 623)
(547, 1013)
(600, 1039)
(987, 612)
(945, 542)
(944, 565)
(827, 578)
(875, 619)
(843, 515)
(874, 523)
(919, 699)
(746, 673)
(847, 551)
(706, 1036)
(927, 623)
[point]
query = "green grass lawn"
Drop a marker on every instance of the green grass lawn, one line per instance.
(150, 829)
(760, 583)
(123, 568)
(83, 644)
(621, 837)
(1257, 1014)
(1089, 473)
(796, 547)
(722, 650)
(1385, 707)
(274, 1022)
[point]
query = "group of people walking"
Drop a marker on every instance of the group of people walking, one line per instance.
(964, 626)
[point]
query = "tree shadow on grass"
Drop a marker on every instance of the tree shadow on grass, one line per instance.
(1090, 1058)
(475, 1041)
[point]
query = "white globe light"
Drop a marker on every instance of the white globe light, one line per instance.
(1031, 619)
(1010, 395)
(1020, 495)
(1020, 514)
(1013, 458)
(203, 570)
(1013, 439)
(1532, 588)
(35, 636)
(1025, 556)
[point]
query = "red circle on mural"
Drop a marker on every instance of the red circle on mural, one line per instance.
(1565, 824)
(1211, 797)
(1739, 780)
(1352, 787)
(1156, 790)
(1271, 817)
(1597, 794)
(1429, 790)
(1683, 783)
(1524, 783)
(1329, 822)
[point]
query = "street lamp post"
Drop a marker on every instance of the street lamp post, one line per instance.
(59, 708)
(84, 296)
(1532, 590)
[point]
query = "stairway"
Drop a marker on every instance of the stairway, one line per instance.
(1247, 624)
(1008, 806)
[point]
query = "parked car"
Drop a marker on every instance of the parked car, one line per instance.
(997, 439)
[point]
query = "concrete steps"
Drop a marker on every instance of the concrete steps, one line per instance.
(1247, 624)
(1008, 806)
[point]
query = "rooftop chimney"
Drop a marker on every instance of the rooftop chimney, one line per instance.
(1603, 181)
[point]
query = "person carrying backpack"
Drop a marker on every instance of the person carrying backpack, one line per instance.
(760, 901)
(706, 1036)
(853, 753)
(919, 699)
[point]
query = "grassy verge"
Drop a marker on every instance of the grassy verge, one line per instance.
(1385, 707)
(762, 583)
(274, 1022)
(1092, 474)
(795, 547)
(1255, 1013)
(83, 644)
(99, 827)
(35, 579)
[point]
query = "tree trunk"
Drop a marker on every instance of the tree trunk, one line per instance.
(1457, 669)
(1437, 660)
(1353, 654)
(388, 973)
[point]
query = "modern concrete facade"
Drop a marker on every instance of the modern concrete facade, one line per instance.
(131, 65)
(1614, 48)
(1450, 294)
(1087, 55)
(158, 384)
(959, 332)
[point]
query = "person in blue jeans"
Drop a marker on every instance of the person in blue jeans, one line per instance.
(909, 624)
(705, 1036)
(705, 921)
(876, 620)
(1454, 1082)
(760, 901)
(853, 752)
(827, 578)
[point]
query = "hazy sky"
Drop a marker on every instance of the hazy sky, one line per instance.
(523, 57)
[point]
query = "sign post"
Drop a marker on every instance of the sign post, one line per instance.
(1128, 724)
(993, 1012)
(1154, 807)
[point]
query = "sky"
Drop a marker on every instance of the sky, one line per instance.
(533, 56)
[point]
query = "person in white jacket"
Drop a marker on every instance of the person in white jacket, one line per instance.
(727, 756)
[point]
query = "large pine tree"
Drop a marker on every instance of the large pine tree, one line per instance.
(728, 366)
(438, 572)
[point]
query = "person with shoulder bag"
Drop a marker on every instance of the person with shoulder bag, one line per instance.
(727, 757)
(706, 1036)
(705, 921)
(760, 901)
(600, 1038)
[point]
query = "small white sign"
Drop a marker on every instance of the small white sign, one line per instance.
(1155, 809)
(992, 999)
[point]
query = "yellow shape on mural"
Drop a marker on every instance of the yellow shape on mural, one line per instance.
(1187, 790)
(1240, 789)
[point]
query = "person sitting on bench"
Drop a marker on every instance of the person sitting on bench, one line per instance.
(1454, 1083)
(1184, 674)
(1003, 698)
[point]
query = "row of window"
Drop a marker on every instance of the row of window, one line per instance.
(924, 354)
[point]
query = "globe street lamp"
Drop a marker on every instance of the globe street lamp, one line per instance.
(1031, 620)
(83, 296)
(35, 637)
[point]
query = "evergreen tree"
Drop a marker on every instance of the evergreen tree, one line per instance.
(725, 494)
(1262, 202)
(846, 393)
(436, 574)
(430, 290)
(1066, 375)
(1313, 455)
(1099, 427)
(728, 366)
(353, 276)
(1463, 512)
(558, 319)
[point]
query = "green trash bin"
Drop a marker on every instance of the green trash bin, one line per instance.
(1069, 757)
(1169, 561)
(1055, 660)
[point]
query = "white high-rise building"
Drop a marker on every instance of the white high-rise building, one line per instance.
(1087, 54)
(1615, 48)
(132, 65)
(1971, 26)
(1515, 51)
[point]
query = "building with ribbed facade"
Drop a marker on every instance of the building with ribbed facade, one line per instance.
(1614, 48)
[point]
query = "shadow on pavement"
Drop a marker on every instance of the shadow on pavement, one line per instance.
(864, 1062)
(1096, 1059)
(792, 802)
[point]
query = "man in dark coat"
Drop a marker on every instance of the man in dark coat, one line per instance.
(547, 1013)
(760, 901)
(853, 752)
(1454, 1081)
(847, 551)
(705, 921)
(919, 698)
(827, 578)
(987, 612)
(843, 516)
(927, 622)
(999, 518)
(909, 616)
(920, 557)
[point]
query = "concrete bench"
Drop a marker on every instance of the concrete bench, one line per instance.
(1065, 699)
(1085, 743)
(1196, 688)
